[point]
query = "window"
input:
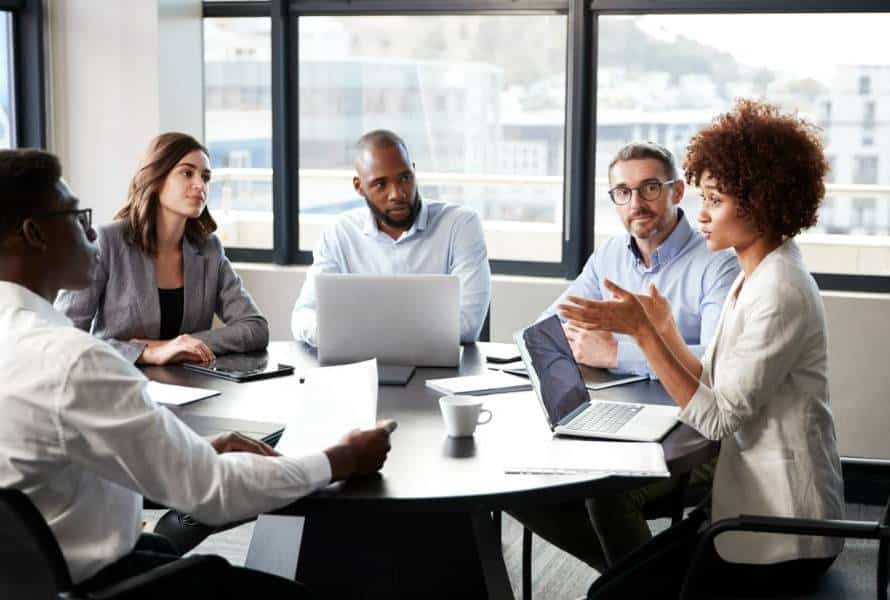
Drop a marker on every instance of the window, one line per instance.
(692, 67)
(483, 118)
(7, 93)
(238, 128)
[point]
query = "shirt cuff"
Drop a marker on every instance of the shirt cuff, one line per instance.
(628, 359)
(318, 469)
(698, 413)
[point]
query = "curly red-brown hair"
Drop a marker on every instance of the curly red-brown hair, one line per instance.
(773, 163)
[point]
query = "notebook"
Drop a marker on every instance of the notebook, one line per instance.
(492, 382)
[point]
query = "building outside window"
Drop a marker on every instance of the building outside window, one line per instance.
(7, 106)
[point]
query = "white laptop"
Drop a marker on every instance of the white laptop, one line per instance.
(569, 406)
(398, 319)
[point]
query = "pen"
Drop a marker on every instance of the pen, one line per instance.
(390, 426)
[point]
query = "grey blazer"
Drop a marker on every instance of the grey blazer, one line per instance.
(122, 302)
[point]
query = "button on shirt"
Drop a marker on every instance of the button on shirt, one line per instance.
(694, 280)
(82, 439)
(445, 239)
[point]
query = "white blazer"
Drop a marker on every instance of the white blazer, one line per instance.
(764, 394)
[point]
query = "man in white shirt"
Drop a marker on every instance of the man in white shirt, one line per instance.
(399, 233)
(80, 436)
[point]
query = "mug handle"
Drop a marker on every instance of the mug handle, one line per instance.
(481, 413)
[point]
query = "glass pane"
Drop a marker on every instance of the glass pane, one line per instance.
(7, 95)
(238, 128)
(663, 77)
(483, 117)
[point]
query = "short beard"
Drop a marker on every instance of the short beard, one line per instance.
(385, 219)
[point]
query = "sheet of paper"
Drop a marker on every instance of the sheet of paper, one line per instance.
(176, 395)
(333, 402)
(573, 457)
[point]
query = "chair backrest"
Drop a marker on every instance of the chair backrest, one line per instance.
(31, 563)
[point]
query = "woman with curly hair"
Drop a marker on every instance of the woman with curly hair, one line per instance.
(762, 386)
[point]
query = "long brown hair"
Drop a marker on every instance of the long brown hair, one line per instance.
(141, 210)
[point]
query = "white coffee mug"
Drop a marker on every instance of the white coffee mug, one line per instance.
(462, 414)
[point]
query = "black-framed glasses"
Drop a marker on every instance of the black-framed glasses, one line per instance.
(83, 215)
(649, 190)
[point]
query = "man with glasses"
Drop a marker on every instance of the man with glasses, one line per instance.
(661, 248)
(83, 440)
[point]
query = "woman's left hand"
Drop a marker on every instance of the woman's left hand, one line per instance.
(624, 314)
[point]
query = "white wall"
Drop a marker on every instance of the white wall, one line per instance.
(858, 327)
(119, 74)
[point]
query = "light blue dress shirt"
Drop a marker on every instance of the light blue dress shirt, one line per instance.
(694, 280)
(445, 239)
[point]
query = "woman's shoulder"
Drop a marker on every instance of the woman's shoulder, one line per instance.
(211, 246)
(784, 277)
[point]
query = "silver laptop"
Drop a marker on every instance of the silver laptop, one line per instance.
(568, 405)
(398, 319)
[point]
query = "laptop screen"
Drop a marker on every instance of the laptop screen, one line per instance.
(556, 376)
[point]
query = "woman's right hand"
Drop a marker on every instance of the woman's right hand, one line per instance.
(183, 348)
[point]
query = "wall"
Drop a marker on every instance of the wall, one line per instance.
(119, 74)
(858, 326)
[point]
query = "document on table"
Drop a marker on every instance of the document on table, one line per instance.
(331, 402)
(562, 456)
(176, 395)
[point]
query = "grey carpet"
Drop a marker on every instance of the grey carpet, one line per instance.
(557, 575)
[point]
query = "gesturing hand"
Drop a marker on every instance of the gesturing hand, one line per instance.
(624, 314)
(658, 309)
(182, 348)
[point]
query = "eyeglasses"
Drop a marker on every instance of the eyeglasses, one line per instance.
(649, 190)
(83, 215)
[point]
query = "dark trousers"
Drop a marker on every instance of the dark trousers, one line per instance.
(225, 581)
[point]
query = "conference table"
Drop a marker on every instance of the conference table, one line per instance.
(428, 525)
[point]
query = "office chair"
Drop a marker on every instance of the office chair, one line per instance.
(648, 562)
(32, 565)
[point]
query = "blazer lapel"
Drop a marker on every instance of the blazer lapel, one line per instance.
(711, 352)
(145, 292)
(193, 281)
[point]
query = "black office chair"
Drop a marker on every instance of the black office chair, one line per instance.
(32, 565)
(646, 563)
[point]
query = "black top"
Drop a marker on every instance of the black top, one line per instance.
(171, 311)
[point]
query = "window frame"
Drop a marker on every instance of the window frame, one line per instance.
(28, 60)
(580, 126)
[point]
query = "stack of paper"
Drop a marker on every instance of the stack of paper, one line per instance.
(492, 382)
(331, 402)
(584, 457)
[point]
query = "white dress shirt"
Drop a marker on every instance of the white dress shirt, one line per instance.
(82, 439)
(764, 393)
(445, 239)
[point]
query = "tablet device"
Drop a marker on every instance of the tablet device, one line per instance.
(241, 367)
(394, 374)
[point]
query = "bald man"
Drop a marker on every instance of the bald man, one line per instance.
(397, 233)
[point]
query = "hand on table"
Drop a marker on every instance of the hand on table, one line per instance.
(359, 452)
(592, 347)
(238, 442)
(183, 348)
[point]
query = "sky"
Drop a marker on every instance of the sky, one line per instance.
(801, 44)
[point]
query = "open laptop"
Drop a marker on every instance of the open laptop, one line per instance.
(398, 319)
(568, 405)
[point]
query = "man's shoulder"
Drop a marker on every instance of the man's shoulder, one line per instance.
(451, 212)
(697, 251)
(348, 222)
(66, 347)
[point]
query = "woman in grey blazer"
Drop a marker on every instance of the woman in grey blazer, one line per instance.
(761, 388)
(162, 272)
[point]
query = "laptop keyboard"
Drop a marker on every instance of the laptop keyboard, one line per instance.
(605, 417)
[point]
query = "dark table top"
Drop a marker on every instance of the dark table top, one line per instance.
(427, 470)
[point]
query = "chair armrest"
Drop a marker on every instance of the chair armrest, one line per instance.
(782, 525)
(162, 580)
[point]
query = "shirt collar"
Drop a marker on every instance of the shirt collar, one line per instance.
(13, 294)
(670, 247)
(420, 223)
